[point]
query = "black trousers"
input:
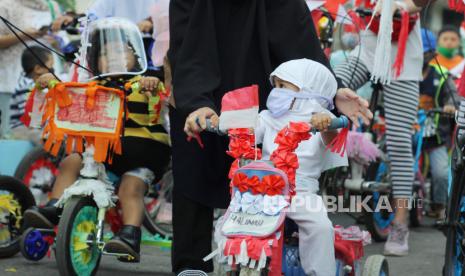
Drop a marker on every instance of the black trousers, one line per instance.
(192, 234)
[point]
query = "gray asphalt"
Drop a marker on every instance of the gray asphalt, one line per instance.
(426, 258)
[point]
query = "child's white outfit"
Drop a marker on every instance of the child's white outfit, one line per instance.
(316, 235)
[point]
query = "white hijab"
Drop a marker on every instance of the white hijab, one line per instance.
(310, 77)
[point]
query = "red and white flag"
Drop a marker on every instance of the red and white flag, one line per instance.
(239, 108)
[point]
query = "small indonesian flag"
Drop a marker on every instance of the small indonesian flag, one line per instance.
(337, 10)
(239, 108)
(314, 4)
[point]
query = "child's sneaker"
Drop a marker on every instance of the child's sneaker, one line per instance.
(43, 217)
(397, 243)
(127, 241)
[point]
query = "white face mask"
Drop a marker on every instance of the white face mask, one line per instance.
(280, 100)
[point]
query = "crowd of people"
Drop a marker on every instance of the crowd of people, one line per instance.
(216, 47)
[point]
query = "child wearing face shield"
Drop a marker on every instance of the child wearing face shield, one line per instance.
(303, 92)
(117, 59)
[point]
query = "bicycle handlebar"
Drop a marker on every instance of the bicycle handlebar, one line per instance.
(434, 111)
(336, 123)
(368, 12)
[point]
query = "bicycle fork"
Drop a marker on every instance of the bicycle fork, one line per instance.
(100, 227)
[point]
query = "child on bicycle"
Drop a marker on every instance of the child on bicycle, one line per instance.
(303, 92)
(437, 91)
(117, 58)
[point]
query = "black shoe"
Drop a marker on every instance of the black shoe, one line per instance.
(127, 241)
(44, 217)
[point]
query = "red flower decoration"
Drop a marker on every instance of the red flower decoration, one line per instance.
(299, 127)
(233, 169)
(274, 184)
(283, 159)
(240, 181)
(288, 140)
(256, 185)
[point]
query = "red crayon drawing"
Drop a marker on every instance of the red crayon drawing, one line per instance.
(79, 113)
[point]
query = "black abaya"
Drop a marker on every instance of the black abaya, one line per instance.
(217, 46)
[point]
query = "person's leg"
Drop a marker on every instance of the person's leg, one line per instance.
(439, 164)
(400, 106)
(131, 198)
(316, 234)
(5, 112)
(353, 73)
(68, 174)
(192, 234)
(48, 216)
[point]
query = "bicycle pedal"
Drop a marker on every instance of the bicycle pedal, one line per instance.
(443, 224)
(122, 255)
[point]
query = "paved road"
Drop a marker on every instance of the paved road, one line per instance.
(426, 258)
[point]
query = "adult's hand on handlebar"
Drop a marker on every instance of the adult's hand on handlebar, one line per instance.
(61, 21)
(196, 121)
(449, 109)
(353, 106)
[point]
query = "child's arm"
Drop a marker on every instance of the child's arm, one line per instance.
(322, 121)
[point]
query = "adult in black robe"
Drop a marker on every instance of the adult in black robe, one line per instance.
(217, 46)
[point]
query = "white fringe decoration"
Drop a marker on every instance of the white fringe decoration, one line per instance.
(262, 261)
(243, 257)
(382, 68)
(100, 191)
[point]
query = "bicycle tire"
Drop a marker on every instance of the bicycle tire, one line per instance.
(72, 211)
(36, 154)
(453, 214)
(26, 201)
(416, 212)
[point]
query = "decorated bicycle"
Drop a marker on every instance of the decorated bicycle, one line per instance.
(252, 237)
(112, 121)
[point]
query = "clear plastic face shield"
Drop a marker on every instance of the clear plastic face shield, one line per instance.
(115, 48)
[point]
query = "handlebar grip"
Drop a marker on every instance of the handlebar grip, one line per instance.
(340, 122)
(336, 123)
(368, 12)
(210, 128)
(72, 30)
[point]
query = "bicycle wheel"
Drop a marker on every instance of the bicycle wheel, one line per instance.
(77, 252)
(33, 245)
(15, 198)
(416, 210)
(378, 222)
(455, 249)
(37, 170)
(376, 265)
(157, 215)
